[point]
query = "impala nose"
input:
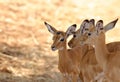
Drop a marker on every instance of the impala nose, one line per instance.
(89, 34)
(53, 48)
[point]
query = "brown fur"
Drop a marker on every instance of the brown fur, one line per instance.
(108, 61)
(89, 62)
(69, 59)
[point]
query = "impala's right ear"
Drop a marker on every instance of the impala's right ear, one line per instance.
(50, 28)
(71, 30)
(110, 25)
(84, 25)
(99, 26)
(92, 21)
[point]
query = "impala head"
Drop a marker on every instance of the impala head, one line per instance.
(60, 37)
(93, 35)
(85, 27)
(99, 32)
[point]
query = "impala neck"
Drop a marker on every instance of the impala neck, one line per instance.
(101, 50)
(63, 53)
(63, 49)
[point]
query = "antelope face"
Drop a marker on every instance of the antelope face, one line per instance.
(93, 34)
(60, 37)
(79, 35)
(87, 30)
(75, 40)
(59, 40)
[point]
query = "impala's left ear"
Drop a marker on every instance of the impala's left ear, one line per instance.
(71, 30)
(50, 28)
(110, 25)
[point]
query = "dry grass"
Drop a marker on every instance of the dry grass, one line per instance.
(25, 42)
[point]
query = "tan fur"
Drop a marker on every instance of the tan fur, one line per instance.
(69, 59)
(89, 63)
(109, 61)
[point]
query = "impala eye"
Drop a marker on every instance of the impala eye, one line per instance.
(58, 33)
(62, 39)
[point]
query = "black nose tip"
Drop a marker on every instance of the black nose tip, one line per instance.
(89, 34)
(53, 47)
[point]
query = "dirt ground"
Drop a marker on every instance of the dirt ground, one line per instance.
(25, 54)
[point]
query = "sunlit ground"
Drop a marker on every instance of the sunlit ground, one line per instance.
(25, 41)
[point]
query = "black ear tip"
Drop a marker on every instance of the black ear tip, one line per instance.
(86, 20)
(116, 20)
(101, 21)
(74, 25)
(92, 20)
(45, 23)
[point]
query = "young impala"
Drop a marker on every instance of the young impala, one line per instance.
(75, 41)
(88, 63)
(109, 61)
(69, 59)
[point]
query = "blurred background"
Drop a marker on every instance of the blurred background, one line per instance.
(25, 54)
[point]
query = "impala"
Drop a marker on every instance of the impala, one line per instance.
(75, 41)
(69, 59)
(88, 63)
(108, 61)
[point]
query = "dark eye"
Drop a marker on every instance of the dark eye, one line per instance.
(58, 33)
(62, 39)
(74, 36)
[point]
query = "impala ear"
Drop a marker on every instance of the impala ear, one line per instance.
(110, 25)
(99, 26)
(50, 28)
(92, 21)
(92, 25)
(71, 30)
(84, 25)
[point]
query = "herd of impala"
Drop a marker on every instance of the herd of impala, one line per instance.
(90, 59)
